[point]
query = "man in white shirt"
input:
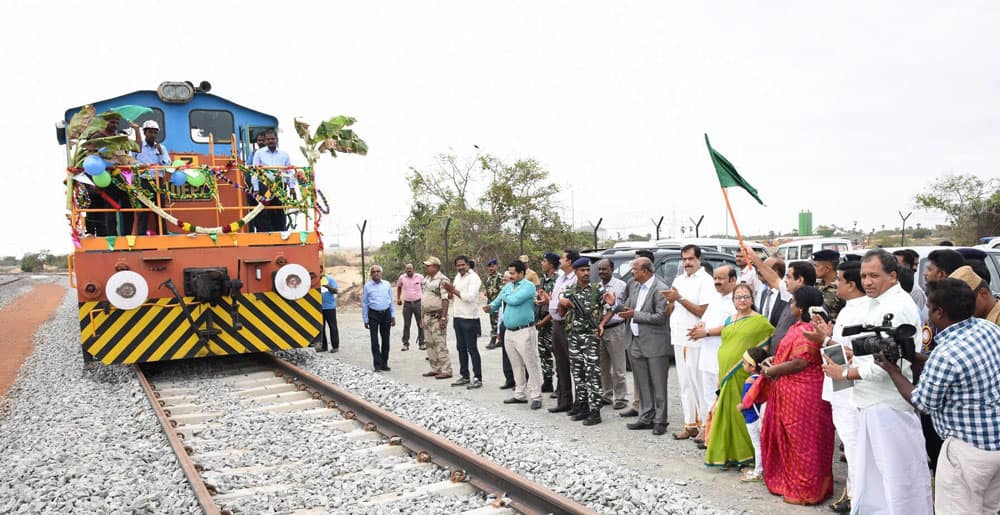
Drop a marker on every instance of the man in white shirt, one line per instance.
(688, 296)
(746, 272)
(719, 309)
(464, 295)
(845, 415)
(272, 156)
(890, 464)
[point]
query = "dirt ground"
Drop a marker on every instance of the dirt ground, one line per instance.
(20, 321)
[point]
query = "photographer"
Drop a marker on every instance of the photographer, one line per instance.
(889, 459)
(958, 389)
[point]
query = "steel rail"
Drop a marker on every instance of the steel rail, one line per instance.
(187, 465)
(524, 496)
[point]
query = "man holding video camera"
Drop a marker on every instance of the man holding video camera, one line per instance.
(959, 390)
(891, 474)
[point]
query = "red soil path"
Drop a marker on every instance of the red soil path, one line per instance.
(19, 321)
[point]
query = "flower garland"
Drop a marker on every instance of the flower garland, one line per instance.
(189, 227)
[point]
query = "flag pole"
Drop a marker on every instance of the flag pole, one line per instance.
(729, 208)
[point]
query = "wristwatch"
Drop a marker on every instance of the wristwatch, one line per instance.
(844, 373)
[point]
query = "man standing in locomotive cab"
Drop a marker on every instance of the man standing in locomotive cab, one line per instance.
(152, 153)
(271, 155)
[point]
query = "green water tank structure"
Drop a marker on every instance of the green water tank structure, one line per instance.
(805, 223)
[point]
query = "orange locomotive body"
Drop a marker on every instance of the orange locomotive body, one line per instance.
(199, 282)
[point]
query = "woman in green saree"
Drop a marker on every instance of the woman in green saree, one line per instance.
(729, 442)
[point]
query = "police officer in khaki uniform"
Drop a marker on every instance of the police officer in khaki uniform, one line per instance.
(825, 261)
(434, 319)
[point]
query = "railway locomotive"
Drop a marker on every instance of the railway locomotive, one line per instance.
(204, 279)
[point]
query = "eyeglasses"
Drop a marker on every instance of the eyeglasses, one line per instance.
(742, 297)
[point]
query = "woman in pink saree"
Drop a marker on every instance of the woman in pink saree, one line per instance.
(797, 434)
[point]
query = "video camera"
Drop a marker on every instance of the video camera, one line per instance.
(895, 342)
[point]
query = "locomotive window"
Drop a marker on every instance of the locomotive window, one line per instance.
(156, 116)
(217, 123)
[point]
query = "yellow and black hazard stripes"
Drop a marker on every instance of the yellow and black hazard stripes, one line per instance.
(159, 329)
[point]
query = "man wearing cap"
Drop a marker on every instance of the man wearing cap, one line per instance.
(329, 290)
(987, 306)
(543, 320)
(582, 307)
(492, 286)
(434, 311)
(825, 262)
(408, 293)
(378, 314)
(152, 153)
(560, 345)
(529, 274)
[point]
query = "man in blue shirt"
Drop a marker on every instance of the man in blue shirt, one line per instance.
(271, 155)
(520, 336)
(329, 288)
(153, 153)
(378, 313)
(959, 390)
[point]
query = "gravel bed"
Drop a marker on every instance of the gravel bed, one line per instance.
(76, 441)
(577, 469)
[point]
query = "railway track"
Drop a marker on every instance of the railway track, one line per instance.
(5, 281)
(258, 433)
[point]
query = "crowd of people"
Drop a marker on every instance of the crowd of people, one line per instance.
(765, 359)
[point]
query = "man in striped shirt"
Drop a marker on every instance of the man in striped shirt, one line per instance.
(960, 391)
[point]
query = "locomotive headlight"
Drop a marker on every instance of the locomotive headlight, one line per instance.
(175, 92)
(126, 290)
(292, 281)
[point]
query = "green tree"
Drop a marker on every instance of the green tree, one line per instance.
(9, 261)
(488, 201)
(32, 262)
(971, 203)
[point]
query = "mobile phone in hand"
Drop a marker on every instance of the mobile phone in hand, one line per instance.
(818, 310)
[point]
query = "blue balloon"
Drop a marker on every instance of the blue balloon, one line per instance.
(178, 178)
(93, 165)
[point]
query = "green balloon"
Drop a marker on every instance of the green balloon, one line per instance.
(196, 178)
(102, 180)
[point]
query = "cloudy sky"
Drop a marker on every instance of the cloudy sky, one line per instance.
(844, 108)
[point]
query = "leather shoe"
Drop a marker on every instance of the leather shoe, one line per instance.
(558, 409)
(515, 400)
(629, 413)
(429, 374)
(593, 419)
(582, 415)
(635, 426)
(685, 433)
(620, 404)
(659, 429)
(536, 404)
(547, 386)
(386, 369)
(462, 381)
(442, 375)
(506, 386)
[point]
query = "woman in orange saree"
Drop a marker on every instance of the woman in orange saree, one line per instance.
(797, 434)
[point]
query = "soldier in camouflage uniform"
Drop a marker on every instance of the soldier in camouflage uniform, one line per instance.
(825, 261)
(584, 341)
(492, 284)
(550, 263)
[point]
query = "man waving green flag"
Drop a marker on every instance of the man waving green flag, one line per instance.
(728, 176)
